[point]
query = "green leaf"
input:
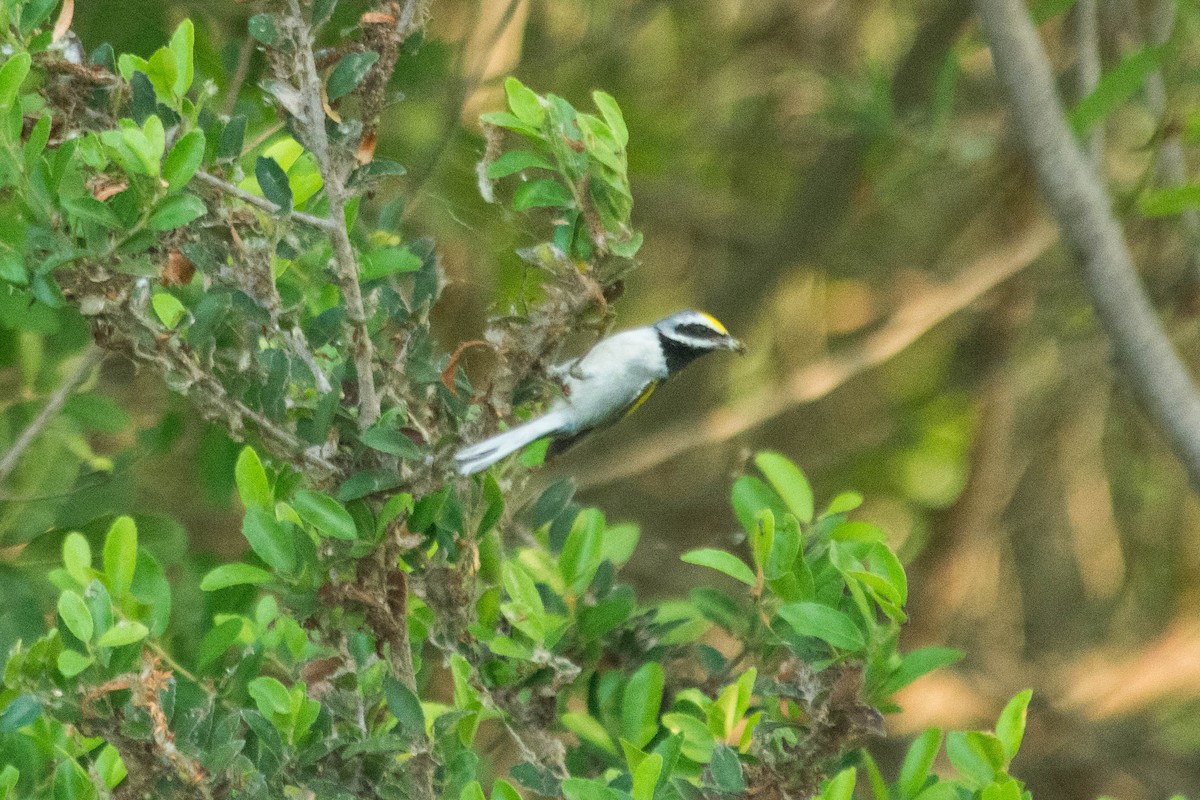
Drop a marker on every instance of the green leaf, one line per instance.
(71, 782)
(583, 550)
(269, 539)
(789, 482)
(645, 777)
(12, 75)
(1170, 200)
(640, 704)
(762, 538)
(71, 662)
(917, 763)
(750, 496)
(619, 542)
(274, 183)
(388, 261)
(120, 556)
(181, 46)
(721, 561)
(588, 729)
(825, 623)
(1010, 727)
(841, 786)
(917, 663)
(233, 137)
(472, 791)
(12, 268)
(270, 696)
(77, 558)
(1115, 87)
(183, 160)
(977, 756)
(698, 743)
(168, 309)
(123, 633)
(405, 707)
(524, 103)
(75, 615)
(503, 119)
(846, 501)
(349, 73)
(327, 515)
(514, 161)
(612, 116)
(587, 789)
(368, 481)
(262, 28)
(542, 193)
(8, 781)
(726, 769)
(88, 208)
(228, 575)
(251, 479)
(176, 211)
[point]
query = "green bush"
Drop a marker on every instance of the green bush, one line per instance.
(388, 613)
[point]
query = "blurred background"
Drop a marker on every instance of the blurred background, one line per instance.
(836, 181)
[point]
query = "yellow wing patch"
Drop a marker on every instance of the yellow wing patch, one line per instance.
(715, 323)
(643, 397)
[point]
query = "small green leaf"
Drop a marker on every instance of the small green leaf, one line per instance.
(233, 136)
(251, 479)
(181, 46)
(183, 160)
(75, 615)
(582, 551)
(726, 769)
(524, 103)
(514, 161)
(71, 782)
(405, 707)
(77, 558)
(472, 791)
(262, 28)
(588, 729)
(612, 116)
(789, 482)
(120, 556)
(177, 210)
(1010, 727)
(327, 515)
(228, 575)
(846, 501)
(721, 561)
(349, 73)
(503, 790)
(12, 75)
(12, 268)
(542, 193)
(71, 663)
(86, 207)
(270, 696)
(917, 663)
(366, 482)
(388, 261)
(825, 623)
(1170, 200)
(841, 786)
(274, 183)
(918, 761)
(645, 777)
(269, 539)
(977, 756)
(640, 704)
(1115, 87)
(123, 633)
(168, 309)
(503, 119)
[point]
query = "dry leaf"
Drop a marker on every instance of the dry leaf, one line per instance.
(448, 372)
(377, 18)
(63, 23)
(178, 271)
(103, 187)
(366, 149)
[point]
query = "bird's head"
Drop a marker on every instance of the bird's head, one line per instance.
(687, 335)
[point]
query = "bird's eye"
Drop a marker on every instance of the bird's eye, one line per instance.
(699, 331)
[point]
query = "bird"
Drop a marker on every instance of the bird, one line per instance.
(606, 384)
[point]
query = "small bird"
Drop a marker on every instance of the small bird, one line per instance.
(610, 381)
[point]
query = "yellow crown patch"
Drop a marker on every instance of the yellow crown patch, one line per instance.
(715, 323)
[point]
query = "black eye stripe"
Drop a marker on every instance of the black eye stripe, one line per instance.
(699, 331)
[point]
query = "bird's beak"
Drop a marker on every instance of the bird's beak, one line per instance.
(737, 346)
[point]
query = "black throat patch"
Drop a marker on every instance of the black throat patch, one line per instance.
(678, 354)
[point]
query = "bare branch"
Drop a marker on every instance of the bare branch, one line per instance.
(815, 381)
(91, 357)
(1083, 211)
(1086, 18)
(262, 202)
(334, 178)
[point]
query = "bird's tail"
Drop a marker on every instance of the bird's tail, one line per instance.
(482, 455)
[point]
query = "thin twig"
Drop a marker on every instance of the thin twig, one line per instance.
(91, 357)
(817, 380)
(346, 263)
(1086, 18)
(1150, 365)
(262, 202)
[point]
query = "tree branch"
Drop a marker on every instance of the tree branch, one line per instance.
(1086, 18)
(1082, 209)
(262, 202)
(91, 357)
(817, 380)
(332, 174)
